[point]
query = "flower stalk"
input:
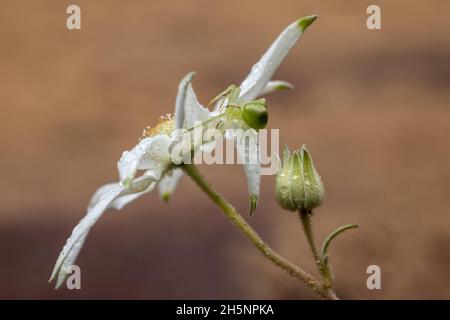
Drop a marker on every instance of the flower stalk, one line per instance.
(239, 222)
(322, 266)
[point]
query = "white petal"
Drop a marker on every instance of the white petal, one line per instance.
(208, 147)
(149, 153)
(79, 233)
(69, 261)
(103, 200)
(138, 187)
(187, 108)
(122, 201)
(249, 154)
(276, 85)
(168, 183)
(100, 192)
(263, 70)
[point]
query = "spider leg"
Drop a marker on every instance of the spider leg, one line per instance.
(233, 96)
(231, 90)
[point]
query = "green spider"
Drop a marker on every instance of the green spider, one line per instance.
(253, 113)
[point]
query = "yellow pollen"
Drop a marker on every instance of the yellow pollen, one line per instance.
(165, 125)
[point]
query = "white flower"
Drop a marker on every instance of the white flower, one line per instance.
(152, 154)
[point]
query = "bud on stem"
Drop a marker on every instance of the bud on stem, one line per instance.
(298, 185)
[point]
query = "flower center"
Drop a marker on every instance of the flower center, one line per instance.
(165, 125)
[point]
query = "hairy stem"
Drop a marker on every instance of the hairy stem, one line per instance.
(306, 218)
(238, 221)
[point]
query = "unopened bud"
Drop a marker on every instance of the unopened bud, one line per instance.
(298, 185)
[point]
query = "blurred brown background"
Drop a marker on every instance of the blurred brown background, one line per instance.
(372, 106)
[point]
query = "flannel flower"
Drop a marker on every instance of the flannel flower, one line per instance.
(235, 107)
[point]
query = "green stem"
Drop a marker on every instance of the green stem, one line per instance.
(306, 218)
(238, 221)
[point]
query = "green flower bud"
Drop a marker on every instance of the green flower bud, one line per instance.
(298, 185)
(255, 114)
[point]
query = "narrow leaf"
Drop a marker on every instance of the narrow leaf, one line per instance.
(334, 234)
